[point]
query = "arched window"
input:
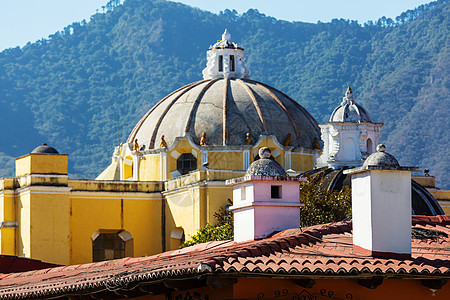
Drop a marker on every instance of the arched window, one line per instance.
(220, 63)
(110, 244)
(232, 63)
(186, 162)
(369, 146)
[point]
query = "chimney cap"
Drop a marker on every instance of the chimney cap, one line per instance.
(381, 160)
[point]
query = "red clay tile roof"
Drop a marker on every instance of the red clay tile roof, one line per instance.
(322, 251)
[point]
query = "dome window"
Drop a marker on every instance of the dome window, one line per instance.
(220, 63)
(369, 146)
(186, 162)
(232, 63)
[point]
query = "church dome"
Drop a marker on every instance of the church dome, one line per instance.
(226, 105)
(44, 149)
(349, 110)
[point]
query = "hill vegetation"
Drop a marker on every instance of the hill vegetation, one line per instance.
(70, 90)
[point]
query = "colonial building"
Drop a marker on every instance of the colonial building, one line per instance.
(169, 178)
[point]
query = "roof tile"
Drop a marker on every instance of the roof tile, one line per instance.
(324, 250)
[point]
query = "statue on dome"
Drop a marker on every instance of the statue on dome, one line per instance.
(248, 139)
(287, 141)
(163, 143)
(316, 144)
(136, 145)
(203, 139)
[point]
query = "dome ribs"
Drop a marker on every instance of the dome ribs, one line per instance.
(304, 111)
(255, 103)
(291, 119)
(139, 124)
(225, 112)
(161, 117)
(197, 102)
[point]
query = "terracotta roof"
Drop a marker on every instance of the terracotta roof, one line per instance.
(321, 251)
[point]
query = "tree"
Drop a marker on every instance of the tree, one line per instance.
(321, 205)
(222, 231)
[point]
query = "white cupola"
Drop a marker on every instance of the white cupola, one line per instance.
(265, 200)
(349, 136)
(225, 59)
(381, 206)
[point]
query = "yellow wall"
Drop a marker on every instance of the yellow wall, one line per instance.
(7, 213)
(137, 213)
(192, 207)
(128, 167)
(150, 167)
(49, 233)
(302, 162)
(23, 238)
(225, 160)
(41, 164)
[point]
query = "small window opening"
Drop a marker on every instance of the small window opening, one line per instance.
(243, 193)
(275, 191)
(186, 162)
(220, 63)
(232, 63)
(369, 146)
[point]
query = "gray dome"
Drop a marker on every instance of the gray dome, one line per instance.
(265, 167)
(44, 149)
(381, 158)
(349, 110)
(226, 109)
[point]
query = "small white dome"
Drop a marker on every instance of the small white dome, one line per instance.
(349, 110)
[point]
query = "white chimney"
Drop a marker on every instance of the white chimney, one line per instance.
(381, 206)
(265, 200)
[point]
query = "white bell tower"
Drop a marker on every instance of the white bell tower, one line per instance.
(350, 136)
(225, 59)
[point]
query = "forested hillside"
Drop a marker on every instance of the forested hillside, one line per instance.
(68, 90)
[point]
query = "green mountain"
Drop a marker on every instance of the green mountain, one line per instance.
(74, 88)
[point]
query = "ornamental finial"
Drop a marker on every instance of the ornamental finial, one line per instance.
(349, 93)
(226, 36)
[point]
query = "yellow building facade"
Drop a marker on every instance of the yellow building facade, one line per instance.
(47, 216)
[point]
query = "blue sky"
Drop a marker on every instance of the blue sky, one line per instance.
(23, 21)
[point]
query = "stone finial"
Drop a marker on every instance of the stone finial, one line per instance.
(264, 152)
(248, 139)
(163, 142)
(203, 139)
(349, 93)
(226, 36)
(381, 148)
